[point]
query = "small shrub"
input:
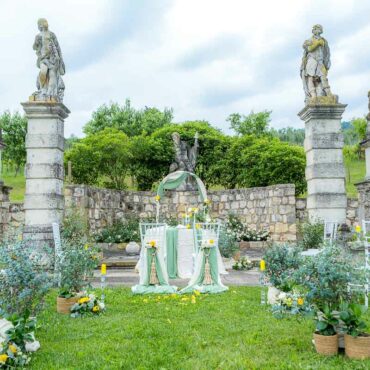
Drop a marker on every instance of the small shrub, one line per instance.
(77, 264)
(282, 261)
(311, 234)
(75, 227)
(121, 232)
(243, 264)
(326, 277)
(227, 243)
(23, 280)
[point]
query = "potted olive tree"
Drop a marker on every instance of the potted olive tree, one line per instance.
(282, 261)
(325, 278)
(76, 264)
(356, 340)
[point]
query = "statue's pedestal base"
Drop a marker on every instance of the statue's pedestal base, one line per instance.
(44, 199)
(325, 172)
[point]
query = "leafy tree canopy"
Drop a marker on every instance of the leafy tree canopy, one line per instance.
(127, 119)
(253, 124)
(14, 129)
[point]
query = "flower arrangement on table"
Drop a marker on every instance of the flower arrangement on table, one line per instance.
(88, 304)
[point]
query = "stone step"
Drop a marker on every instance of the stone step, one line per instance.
(121, 261)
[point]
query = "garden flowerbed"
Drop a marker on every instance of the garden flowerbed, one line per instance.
(227, 331)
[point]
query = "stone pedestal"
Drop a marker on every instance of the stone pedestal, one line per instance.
(44, 200)
(325, 172)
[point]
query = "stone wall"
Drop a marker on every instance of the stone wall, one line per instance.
(272, 207)
(352, 210)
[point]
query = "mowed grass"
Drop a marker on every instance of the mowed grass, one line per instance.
(227, 331)
(355, 172)
(18, 183)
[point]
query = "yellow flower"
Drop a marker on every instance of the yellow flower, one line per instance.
(289, 302)
(188, 226)
(197, 293)
(13, 348)
(86, 246)
(207, 201)
(3, 358)
(183, 215)
(184, 299)
(96, 309)
(193, 299)
(300, 301)
(197, 226)
(211, 241)
(358, 228)
(157, 198)
(83, 300)
(152, 243)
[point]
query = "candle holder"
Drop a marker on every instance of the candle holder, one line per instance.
(103, 273)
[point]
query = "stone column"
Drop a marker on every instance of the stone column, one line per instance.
(325, 172)
(44, 200)
(4, 207)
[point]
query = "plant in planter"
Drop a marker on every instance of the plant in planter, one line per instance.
(282, 261)
(76, 265)
(357, 341)
(325, 336)
(325, 278)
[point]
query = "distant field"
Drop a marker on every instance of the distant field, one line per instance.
(355, 174)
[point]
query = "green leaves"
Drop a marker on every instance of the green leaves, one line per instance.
(351, 315)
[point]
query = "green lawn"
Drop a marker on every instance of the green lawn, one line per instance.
(18, 183)
(355, 172)
(226, 331)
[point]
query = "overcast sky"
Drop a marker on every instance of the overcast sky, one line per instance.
(204, 58)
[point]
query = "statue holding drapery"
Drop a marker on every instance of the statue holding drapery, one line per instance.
(50, 86)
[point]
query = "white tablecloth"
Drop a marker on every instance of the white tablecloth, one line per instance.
(185, 251)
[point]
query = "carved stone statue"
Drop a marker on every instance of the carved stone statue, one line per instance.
(185, 157)
(50, 86)
(314, 68)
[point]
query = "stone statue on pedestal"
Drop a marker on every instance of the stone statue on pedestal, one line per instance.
(50, 86)
(185, 158)
(314, 69)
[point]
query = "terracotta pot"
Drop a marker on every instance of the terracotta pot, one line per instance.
(326, 344)
(64, 304)
(358, 347)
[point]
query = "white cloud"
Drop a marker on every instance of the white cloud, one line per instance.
(206, 59)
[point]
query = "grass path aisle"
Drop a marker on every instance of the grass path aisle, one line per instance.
(226, 331)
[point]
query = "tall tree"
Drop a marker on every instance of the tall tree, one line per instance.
(14, 129)
(256, 124)
(127, 119)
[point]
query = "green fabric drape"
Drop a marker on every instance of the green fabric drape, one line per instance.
(175, 179)
(172, 240)
(162, 287)
(215, 287)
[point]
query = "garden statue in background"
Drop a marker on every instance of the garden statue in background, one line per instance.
(314, 69)
(50, 86)
(185, 158)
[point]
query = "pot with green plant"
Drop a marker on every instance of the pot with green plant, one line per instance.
(325, 336)
(356, 340)
(326, 278)
(281, 263)
(75, 266)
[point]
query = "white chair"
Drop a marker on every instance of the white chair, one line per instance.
(204, 232)
(152, 232)
(366, 268)
(330, 231)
